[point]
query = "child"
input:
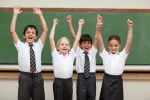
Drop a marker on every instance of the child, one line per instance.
(86, 80)
(30, 80)
(113, 61)
(63, 58)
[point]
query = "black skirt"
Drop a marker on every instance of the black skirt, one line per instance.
(112, 87)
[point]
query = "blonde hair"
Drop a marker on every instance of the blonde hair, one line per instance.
(63, 38)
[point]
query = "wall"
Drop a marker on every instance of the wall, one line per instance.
(133, 89)
(138, 4)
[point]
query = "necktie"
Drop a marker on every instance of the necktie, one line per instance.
(32, 60)
(86, 66)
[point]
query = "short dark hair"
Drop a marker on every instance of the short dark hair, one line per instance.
(85, 37)
(30, 26)
(114, 37)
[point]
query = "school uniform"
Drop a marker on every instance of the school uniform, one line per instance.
(112, 85)
(63, 70)
(30, 84)
(86, 87)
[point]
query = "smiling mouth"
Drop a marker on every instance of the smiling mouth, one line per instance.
(86, 48)
(30, 37)
(64, 49)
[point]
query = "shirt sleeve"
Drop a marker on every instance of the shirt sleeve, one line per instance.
(18, 44)
(73, 53)
(103, 54)
(54, 52)
(124, 54)
(41, 45)
(78, 50)
(94, 50)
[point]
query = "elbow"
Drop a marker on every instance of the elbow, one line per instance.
(73, 38)
(46, 30)
(50, 38)
(12, 31)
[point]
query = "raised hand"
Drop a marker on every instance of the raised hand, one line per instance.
(99, 25)
(69, 18)
(17, 10)
(37, 11)
(129, 23)
(99, 18)
(81, 21)
(55, 21)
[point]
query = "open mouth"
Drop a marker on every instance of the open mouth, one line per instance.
(86, 48)
(30, 37)
(64, 49)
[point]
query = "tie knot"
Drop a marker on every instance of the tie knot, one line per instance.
(30, 45)
(86, 53)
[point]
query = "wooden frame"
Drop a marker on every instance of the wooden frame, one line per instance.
(101, 70)
(82, 9)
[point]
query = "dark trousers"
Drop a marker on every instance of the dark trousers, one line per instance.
(86, 88)
(31, 87)
(62, 89)
(112, 87)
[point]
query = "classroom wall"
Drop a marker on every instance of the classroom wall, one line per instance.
(133, 89)
(139, 4)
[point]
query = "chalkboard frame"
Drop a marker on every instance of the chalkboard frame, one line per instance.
(81, 10)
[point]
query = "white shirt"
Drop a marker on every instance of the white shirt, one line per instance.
(24, 55)
(114, 63)
(63, 65)
(80, 59)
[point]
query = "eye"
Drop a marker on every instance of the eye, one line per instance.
(28, 32)
(33, 32)
(116, 45)
(110, 45)
(83, 42)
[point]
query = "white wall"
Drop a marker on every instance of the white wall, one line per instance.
(133, 89)
(137, 4)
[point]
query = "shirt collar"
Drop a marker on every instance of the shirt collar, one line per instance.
(84, 52)
(28, 43)
(61, 53)
(117, 53)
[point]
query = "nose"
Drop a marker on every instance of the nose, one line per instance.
(113, 47)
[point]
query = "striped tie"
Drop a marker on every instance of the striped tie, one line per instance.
(32, 60)
(86, 66)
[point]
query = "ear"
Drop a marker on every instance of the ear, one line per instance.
(36, 37)
(24, 36)
(119, 46)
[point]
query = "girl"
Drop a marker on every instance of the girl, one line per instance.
(63, 59)
(113, 62)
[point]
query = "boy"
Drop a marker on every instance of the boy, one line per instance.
(29, 58)
(85, 65)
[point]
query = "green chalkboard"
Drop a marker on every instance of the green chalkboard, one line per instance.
(114, 23)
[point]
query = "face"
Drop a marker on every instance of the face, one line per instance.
(64, 46)
(114, 46)
(86, 45)
(30, 35)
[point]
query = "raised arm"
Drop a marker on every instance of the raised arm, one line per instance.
(129, 37)
(99, 36)
(69, 20)
(51, 36)
(38, 12)
(99, 19)
(76, 42)
(16, 12)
